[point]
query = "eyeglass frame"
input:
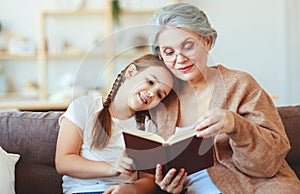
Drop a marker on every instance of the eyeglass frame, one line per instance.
(157, 50)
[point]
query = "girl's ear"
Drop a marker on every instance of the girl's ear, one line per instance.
(131, 71)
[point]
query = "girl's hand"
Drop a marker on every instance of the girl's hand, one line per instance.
(213, 122)
(120, 189)
(123, 165)
(170, 183)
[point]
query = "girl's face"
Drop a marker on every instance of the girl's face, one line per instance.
(184, 52)
(148, 87)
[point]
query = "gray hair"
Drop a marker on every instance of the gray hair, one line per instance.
(182, 15)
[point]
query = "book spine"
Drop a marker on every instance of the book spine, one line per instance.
(169, 159)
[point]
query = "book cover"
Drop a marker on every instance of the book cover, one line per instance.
(182, 150)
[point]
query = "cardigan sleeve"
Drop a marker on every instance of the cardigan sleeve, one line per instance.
(258, 140)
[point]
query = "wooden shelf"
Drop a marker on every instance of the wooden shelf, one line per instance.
(4, 56)
(73, 55)
(48, 56)
(67, 12)
(33, 105)
(44, 57)
(137, 11)
(65, 56)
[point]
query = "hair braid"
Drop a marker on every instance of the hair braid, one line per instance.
(118, 82)
(103, 124)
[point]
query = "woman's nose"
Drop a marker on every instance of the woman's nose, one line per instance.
(180, 58)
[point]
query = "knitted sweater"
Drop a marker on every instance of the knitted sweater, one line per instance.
(251, 157)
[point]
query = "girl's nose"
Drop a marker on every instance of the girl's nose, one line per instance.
(149, 94)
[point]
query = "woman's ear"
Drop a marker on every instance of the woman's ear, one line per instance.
(208, 42)
(131, 71)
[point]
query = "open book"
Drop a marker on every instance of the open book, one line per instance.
(181, 150)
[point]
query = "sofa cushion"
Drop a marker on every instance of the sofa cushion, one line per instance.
(7, 169)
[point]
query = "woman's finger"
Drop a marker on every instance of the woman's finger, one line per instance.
(209, 132)
(178, 177)
(169, 176)
(158, 174)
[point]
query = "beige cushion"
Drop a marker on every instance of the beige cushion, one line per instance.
(7, 169)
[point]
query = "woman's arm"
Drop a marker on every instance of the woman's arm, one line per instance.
(259, 141)
(257, 137)
(69, 162)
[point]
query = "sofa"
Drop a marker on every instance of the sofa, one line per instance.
(33, 136)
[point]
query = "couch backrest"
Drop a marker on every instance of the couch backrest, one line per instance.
(27, 131)
(32, 135)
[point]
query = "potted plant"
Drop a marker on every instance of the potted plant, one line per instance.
(116, 10)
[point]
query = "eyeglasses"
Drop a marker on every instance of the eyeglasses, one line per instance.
(170, 54)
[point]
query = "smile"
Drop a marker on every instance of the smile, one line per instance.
(185, 69)
(143, 98)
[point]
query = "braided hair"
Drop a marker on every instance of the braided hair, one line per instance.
(103, 125)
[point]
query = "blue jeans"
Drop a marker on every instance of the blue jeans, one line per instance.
(200, 183)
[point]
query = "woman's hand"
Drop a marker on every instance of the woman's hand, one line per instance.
(213, 122)
(170, 183)
(123, 165)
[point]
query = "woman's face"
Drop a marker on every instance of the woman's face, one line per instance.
(148, 87)
(184, 52)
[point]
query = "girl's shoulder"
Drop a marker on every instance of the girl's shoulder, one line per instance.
(88, 102)
(82, 108)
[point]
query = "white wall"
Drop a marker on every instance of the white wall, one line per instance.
(253, 36)
(293, 57)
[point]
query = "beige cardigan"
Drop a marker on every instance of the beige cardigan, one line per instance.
(251, 157)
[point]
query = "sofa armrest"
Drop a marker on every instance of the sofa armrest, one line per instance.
(290, 116)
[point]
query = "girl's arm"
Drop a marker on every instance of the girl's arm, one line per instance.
(69, 162)
(145, 184)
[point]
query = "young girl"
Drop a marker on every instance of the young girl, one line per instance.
(90, 147)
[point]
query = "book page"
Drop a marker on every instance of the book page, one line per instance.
(180, 136)
(146, 135)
